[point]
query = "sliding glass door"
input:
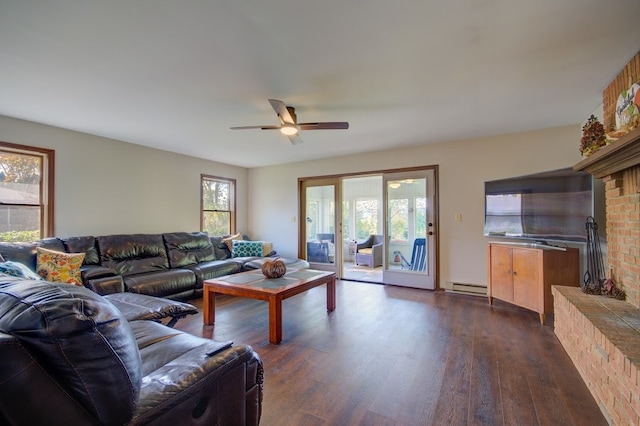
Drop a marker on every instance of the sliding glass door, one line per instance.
(410, 236)
(320, 223)
(400, 214)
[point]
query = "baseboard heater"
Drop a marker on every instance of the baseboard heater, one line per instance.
(472, 289)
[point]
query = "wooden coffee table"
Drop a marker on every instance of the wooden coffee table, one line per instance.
(254, 285)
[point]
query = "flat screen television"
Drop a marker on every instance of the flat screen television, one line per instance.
(543, 207)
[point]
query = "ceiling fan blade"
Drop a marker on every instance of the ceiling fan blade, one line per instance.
(265, 127)
(295, 139)
(288, 120)
(281, 109)
(327, 125)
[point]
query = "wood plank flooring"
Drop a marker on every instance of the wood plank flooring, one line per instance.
(399, 356)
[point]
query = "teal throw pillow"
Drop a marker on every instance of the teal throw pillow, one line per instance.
(17, 269)
(242, 248)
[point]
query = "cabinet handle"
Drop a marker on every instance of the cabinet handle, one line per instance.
(515, 273)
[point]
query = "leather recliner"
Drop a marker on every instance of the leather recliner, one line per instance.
(68, 356)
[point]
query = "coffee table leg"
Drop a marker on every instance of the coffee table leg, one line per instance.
(275, 319)
(331, 294)
(208, 306)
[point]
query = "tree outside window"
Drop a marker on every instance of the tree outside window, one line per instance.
(366, 218)
(346, 220)
(218, 205)
(399, 219)
(421, 217)
(26, 180)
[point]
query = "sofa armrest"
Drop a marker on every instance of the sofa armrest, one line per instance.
(106, 285)
(192, 380)
(101, 280)
(136, 306)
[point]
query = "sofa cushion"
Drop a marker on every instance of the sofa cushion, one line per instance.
(159, 347)
(86, 245)
(80, 339)
(166, 283)
(220, 249)
(59, 267)
(17, 269)
(135, 306)
(25, 253)
(214, 269)
(133, 253)
(184, 248)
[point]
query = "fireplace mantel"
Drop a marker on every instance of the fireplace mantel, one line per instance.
(620, 154)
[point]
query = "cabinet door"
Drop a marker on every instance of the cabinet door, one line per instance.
(501, 279)
(527, 285)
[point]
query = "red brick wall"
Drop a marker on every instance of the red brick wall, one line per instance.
(600, 334)
(629, 74)
(623, 231)
(604, 352)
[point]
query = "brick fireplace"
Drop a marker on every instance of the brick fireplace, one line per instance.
(601, 334)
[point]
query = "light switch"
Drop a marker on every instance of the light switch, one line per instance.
(458, 217)
(292, 218)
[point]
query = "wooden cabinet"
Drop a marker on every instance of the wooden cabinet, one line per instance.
(523, 274)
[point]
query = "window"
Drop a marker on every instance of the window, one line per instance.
(217, 202)
(399, 219)
(26, 193)
(366, 218)
(420, 217)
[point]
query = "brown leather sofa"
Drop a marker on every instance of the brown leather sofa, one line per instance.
(68, 356)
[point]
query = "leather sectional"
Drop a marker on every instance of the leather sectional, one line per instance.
(170, 265)
(70, 357)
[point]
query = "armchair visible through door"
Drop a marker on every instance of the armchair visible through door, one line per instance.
(418, 256)
(370, 251)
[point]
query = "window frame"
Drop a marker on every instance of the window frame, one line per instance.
(47, 183)
(232, 202)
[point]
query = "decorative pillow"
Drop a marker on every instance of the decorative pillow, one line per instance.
(17, 269)
(242, 248)
(59, 267)
(228, 240)
(267, 247)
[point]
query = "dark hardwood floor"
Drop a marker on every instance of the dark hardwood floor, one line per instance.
(399, 356)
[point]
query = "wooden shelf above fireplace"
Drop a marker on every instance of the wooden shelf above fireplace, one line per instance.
(617, 156)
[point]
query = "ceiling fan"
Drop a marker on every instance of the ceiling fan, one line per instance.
(289, 125)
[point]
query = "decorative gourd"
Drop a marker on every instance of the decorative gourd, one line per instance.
(274, 268)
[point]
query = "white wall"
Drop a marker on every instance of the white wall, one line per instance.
(463, 168)
(104, 186)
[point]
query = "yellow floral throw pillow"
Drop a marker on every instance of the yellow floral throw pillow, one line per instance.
(59, 267)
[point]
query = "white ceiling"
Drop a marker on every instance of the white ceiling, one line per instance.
(175, 75)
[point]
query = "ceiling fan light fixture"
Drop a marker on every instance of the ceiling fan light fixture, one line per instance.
(289, 130)
(394, 185)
